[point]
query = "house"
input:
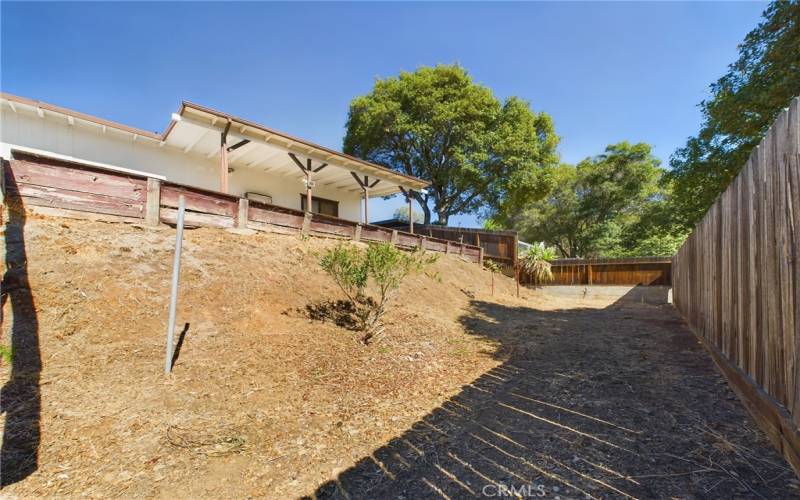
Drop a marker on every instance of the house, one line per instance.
(207, 149)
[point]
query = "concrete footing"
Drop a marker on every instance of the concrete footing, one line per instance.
(640, 294)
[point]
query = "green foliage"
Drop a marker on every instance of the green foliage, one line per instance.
(491, 265)
(401, 214)
(439, 125)
(6, 354)
(370, 278)
(743, 105)
(536, 262)
(592, 206)
(654, 245)
(348, 268)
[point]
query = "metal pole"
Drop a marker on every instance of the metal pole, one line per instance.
(176, 271)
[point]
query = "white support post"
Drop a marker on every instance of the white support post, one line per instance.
(173, 299)
(366, 205)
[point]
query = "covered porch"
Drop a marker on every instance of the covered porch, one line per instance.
(264, 165)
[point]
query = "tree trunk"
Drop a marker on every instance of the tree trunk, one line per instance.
(426, 212)
(442, 217)
(423, 204)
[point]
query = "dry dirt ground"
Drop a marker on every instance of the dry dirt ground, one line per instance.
(464, 393)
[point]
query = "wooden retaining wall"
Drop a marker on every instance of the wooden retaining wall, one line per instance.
(736, 281)
(85, 190)
(644, 271)
(499, 246)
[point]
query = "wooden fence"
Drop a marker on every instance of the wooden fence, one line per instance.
(500, 246)
(86, 190)
(646, 271)
(736, 280)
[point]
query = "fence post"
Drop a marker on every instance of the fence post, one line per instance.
(394, 237)
(241, 219)
(173, 298)
(480, 256)
(357, 233)
(153, 204)
(447, 247)
(422, 242)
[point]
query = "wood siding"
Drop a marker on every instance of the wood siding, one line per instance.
(736, 281)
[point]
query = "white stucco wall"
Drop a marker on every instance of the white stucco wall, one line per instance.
(83, 141)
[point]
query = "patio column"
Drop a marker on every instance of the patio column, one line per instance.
(365, 187)
(308, 191)
(307, 169)
(223, 159)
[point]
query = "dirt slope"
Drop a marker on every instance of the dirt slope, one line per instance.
(306, 397)
(584, 398)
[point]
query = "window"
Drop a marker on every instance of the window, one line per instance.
(320, 206)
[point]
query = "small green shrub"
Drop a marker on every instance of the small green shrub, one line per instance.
(370, 278)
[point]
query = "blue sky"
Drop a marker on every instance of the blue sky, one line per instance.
(606, 72)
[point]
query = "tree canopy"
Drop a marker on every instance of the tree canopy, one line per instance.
(437, 124)
(743, 105)
(599, 206)
(401, 214)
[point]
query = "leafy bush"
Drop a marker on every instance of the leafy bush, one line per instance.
(370, 278)
(536, 261)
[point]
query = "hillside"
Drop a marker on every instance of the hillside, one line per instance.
(303, 397)
(575, 395)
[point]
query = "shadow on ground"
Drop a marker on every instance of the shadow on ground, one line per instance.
(604, 403)
(20, 399)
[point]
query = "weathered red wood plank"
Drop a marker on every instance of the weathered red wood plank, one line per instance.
(74, 178)
(198, 200)
(196, 219)
(75, 200)
(278, 218)
(371, 233)
(327, 227)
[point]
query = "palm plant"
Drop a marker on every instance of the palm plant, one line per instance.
(536, 262)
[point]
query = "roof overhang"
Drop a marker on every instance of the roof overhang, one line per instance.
(195, 130)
